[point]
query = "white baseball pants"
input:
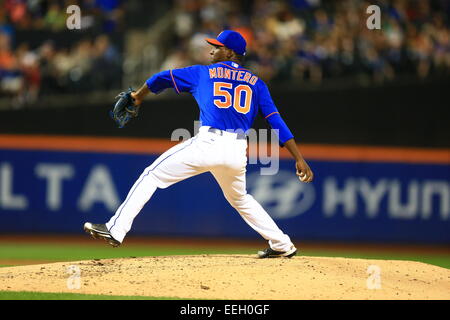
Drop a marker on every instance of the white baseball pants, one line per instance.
(222, 155)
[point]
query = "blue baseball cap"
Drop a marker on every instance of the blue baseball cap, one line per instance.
(231, 39)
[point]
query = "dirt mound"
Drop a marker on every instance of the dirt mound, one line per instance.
(235, 277)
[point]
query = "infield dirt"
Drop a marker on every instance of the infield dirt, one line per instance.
(236, 277)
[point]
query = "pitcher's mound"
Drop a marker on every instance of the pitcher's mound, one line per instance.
(236, 277)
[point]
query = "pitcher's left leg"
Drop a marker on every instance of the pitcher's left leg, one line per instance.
(178, 163)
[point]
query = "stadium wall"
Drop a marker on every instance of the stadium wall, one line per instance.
(53, 184)
(414, 115)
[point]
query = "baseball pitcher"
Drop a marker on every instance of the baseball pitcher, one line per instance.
(229, 98)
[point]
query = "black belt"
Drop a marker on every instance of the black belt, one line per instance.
(239, 135)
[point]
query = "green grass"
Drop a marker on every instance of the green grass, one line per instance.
(24, 295)
(55, 252)
(438, 260)
(74, 252)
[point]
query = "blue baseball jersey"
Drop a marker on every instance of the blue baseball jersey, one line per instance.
(229, 97)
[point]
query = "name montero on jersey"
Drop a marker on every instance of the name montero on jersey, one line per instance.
(237, 75)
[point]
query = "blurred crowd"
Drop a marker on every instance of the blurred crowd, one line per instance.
(102, 15)
(91, 61)
(288, 41)
(88, 65)
(312, 40)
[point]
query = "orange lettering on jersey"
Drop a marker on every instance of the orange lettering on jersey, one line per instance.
(247, 77)
(240, 75)
(253, 80)
(237, 98)
(219, 72)
(227, 73)
(233, 72)
(219, 91)
(212, 73)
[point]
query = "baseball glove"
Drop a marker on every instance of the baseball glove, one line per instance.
(124, 109)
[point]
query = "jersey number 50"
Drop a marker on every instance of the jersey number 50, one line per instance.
(226, 97)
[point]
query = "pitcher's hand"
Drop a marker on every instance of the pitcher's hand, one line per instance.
(304, 172)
